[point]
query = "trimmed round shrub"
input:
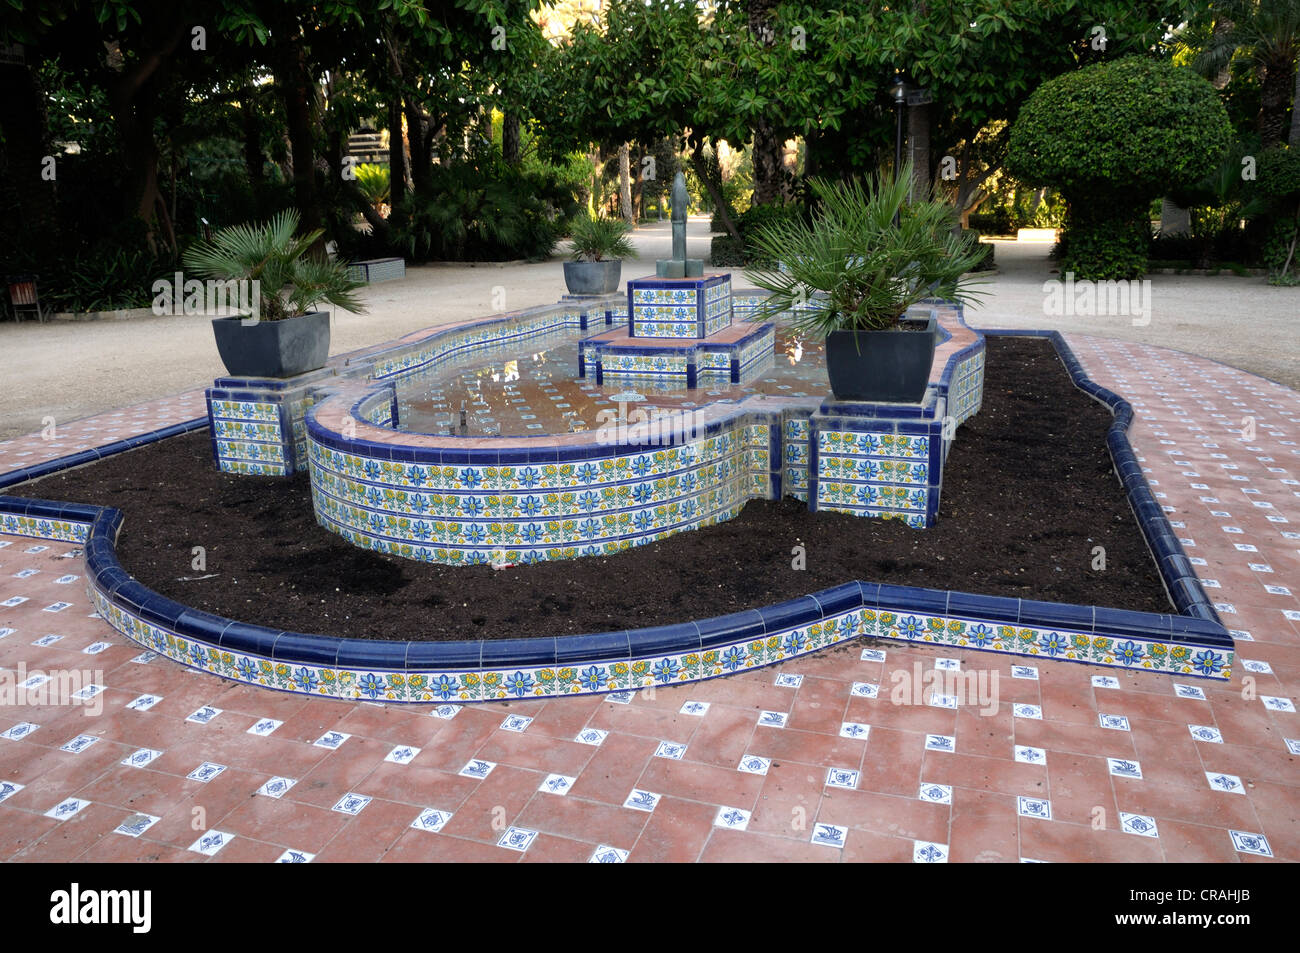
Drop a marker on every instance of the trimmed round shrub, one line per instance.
(1112, 137)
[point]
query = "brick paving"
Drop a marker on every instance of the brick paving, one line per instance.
(819, 759)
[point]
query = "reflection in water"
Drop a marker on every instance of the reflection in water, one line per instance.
(531, 388)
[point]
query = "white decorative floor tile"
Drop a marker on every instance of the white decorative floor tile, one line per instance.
(872, 655)
(1038, 807)
(1246, 843)
(477, 769)
(431, 819)
(925, 852)
(1105, 681)
(402, 754)
(277, 787)
(788, 680)
(732, 818)
(204, 715)
(694, 708)
(842, 778)
(591, 736)
(446, 712)
(1138, 824)
(144, 702)
(642, 800)
(670, 750)
(1032, 712)
(752, 764)
(772, 719)
(135, 825)
(1273, 703)
(1116, 722)
(517, 838)
(352, 804)
(1225, 782)
(331, 740)
(516, 723)
(1206, 733)
(211, 842)
(557, 784)
(865, 690)
(1027, 755)
(79, 744)
(1189, 691)
(854, 729)
(20, 730)
(940, 743)
(206, 772)
(1123, 768)
(264, 727)
(295, 857)
(936, 793)
(66, 809)
(138, 759)
(1024, 671)
(604, 854)
(829, 835)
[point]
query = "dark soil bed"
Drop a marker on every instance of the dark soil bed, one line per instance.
(1028, 493)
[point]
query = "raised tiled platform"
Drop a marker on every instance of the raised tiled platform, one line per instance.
(926, 780)
(729, 356)
(377, 269)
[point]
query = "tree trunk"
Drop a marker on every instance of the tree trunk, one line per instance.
(24, 144)
(918, 150)
(510, 138)
(767, 148)
(1295, 113)
(252, 130)
(1174, 219)
(1274, 97)
(396, 154)
(705, 175)
(421, 155)
(625, 184)
(296, 88)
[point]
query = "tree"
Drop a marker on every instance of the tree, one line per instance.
(1112, 137)
(1266, 33)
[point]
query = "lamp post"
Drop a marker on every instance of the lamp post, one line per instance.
(898, 92)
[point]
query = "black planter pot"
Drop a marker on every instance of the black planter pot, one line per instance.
(592, 277)
(881, 366)
(273, 348)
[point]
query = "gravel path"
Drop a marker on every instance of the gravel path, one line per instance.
(67, 370)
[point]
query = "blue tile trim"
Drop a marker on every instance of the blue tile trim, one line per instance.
(22, 475)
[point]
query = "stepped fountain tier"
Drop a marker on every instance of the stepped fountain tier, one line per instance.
(680, 331)
(680, 327)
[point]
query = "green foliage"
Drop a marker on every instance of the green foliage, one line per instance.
(480, 211)
(600, 239)
(1134, 127)
(1111, 137)
(727, 251)
(868, 269)
(373, 180)
(290, 282)
(1105, 244)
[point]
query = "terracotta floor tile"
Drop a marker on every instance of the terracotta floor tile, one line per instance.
(866, 847)
(537, 752)
(1057, 842)
(894, 815)
(723, 736)
(984, 828)
(368, 836)
(590, 822)
(789, 800)
(675, 833)
(615, 769)
(289, 824)
(747, 847)
(495, 804)
(1002, 775)
(892, 762)
(701, 782)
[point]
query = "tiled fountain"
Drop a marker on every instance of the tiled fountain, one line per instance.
(525, 436)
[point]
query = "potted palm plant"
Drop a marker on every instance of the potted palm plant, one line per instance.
(599, 247)
(852, 272)
(282, 335)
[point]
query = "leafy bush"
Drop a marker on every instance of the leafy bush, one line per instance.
(483, 210)
(727, 251)
(869, 269)
(290, 281)
(600, 239)
(997, 221)
(374, 182)
(1111, 137)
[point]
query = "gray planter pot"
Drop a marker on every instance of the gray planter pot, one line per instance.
(881, 366)
(273, 348)
(592, 277)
